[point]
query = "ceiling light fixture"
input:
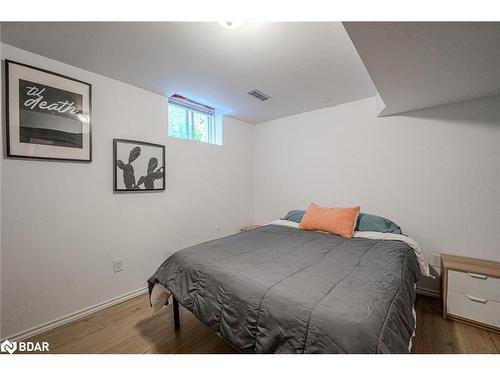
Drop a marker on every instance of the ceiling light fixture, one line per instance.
(230, 25)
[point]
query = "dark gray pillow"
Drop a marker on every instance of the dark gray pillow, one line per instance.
(294, 215)
(374, 223)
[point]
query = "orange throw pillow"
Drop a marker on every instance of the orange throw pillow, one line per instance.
(336, 220)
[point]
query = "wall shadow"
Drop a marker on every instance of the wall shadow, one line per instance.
(484, 111)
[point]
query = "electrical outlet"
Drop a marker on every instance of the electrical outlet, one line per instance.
(118, 265)
(436, 260)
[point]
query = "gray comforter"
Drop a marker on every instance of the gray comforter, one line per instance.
(283, 290)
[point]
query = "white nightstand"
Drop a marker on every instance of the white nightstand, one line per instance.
(470, 291)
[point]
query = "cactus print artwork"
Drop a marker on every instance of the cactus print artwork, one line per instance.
(128, 169)
(141, 159)
(153, 174)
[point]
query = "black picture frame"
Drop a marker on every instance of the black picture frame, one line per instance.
(10, 126)
(161, 168)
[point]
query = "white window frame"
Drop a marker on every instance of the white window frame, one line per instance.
(192, 108)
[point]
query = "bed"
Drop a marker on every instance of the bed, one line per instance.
(279, 289)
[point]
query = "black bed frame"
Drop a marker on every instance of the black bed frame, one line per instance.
(177, 320)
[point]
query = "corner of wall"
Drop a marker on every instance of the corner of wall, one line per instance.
(380, 105)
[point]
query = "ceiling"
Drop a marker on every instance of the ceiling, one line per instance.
(302, 66)
(417, 65)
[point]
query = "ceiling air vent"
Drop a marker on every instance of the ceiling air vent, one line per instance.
(259, 95)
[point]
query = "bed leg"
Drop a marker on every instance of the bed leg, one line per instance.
(177, 321)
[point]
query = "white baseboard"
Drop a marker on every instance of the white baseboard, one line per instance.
(74, 316)
(429, 292)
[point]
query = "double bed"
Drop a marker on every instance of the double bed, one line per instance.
(280, 289)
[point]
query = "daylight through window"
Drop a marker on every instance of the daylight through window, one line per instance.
(190, 120)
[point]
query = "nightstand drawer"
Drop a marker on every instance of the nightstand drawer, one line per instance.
(474, 284)
(474, 308)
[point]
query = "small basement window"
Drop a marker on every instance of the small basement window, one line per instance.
(188, 119)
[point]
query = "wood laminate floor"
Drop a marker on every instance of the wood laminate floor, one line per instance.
(129, 327)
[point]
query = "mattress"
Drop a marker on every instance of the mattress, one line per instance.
(279, 289)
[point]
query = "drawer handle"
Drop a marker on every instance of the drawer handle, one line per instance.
(476, 299)
(477, 276)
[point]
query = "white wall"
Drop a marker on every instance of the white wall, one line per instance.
(1, 159)
(62, 225)
(435, 172)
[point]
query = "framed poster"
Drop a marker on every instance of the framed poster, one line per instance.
(48, 114)
(138, 166)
